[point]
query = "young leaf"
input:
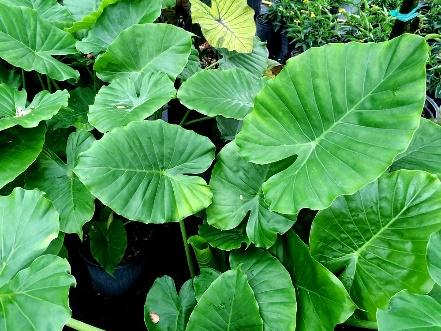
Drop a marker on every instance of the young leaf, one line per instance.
(226, 240)
(276, 299)
(126, 100)
(13, 109)
(19, 148)
(10, 77)
(229, 93)
(227, 24)
(70, 197)
(203, 281)
(30, 285)
(322, 299)
(222, 306)
(380, 233)
(164, 48)
(336, 107)
(424, 152)
(108, 243)
(434, 257)
(166, 310)
(408, 311)
(117, 18)
(49, 10)
(237, 193)
(86, 12)
(29, 42)
(141, 171)
(202, 251)
(255, 63)
(228, 127)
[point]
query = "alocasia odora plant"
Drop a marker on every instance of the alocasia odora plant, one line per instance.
(338, 131)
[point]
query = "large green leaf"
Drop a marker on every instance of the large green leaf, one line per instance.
(117, 18)
(55, 177)
(164, 309)
(434, 257)
(50, 10)
(13, 109)
(19, 148)
(163, 47)
(31, 286)
(228, 304)
(29, 42)
(126, 100)
(108, 242)
(237, 193)
(86, 12)
(140, 171)
(408, 311)
(424, 152)
(227, 24)
(345, 110)
(229, 93)
(226, 240)
(276, 299)
(322, 301)
(376, 239)
(256, 62)
(75, 114)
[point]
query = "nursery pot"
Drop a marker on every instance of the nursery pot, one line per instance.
(124, 280)
(255, 4)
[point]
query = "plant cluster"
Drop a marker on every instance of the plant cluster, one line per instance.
(322, 204)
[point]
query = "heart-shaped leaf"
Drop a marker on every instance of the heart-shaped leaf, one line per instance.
(227, 24)
(434, 257)
(237, 193)
(255, 62)
(86, 12)
(380, 233)
(322, 299)
(29, 42)
(13, 109)
(336, 107)
(50, 10)
(226, 240)
(408, 311)
(222, 306)
(55, 177)
(31, 286)
(276, 299)
(424, 152)
(126, 100)
(19, 148)
(141, 171)
(164, 48)
(229, 93)
(116, 19)
(166, 310)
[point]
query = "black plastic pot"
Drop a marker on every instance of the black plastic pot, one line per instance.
(124, 281)
(255, 4)
(284, 49)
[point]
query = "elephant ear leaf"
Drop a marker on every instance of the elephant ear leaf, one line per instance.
(318, 290)
(31, 285)
(165, 48)
(29, 42)
(165, 309)
(53, 176)
(237, 193)
(424, 152)
(276, 299)
(434, 257)
(144, 171)
(86, 12)
(222, 306)
(116, 19)
(409, 311)
(14, 111)
(336, 107)
(381, 232)
(227, 24)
